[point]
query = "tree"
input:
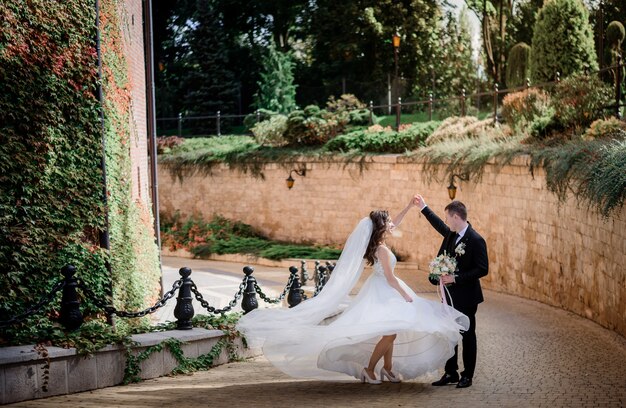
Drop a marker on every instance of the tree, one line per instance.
(522, 22)
(518, 65)
(457, 69)
(562, 41)
(209, 83)
(276, 89)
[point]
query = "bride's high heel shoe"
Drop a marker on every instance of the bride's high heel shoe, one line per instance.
(365, 377)
(390, 376)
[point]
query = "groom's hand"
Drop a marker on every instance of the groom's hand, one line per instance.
(418, 201)
(447, 279)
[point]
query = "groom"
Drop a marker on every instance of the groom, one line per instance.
(464, 285)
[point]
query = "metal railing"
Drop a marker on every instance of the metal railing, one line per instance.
(429, 104)
(71, 317)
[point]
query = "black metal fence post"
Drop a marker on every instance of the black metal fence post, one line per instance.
(371, 109)
(219, 133)
(71, 318)
(258, 116)
(249, 302)
(180, 124)
(527, 83)
(184, 308)
(295, 292)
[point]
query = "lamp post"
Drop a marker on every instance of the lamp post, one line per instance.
(396, 45)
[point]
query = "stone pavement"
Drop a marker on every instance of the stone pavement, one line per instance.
(530, 355)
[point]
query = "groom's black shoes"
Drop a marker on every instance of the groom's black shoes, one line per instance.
(464, 382)
(447, 379)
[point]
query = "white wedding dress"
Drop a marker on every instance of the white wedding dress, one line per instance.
(301, 343)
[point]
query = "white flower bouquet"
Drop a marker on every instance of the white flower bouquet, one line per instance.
(445, 264)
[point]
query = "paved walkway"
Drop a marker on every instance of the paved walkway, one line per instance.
(530, 355)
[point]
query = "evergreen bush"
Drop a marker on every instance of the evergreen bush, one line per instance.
(522, 107)
(518, 65)
(562, 41)
(270, 132)
(277, 91)
(581, 99)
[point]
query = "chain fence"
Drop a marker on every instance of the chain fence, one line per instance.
(71, 317)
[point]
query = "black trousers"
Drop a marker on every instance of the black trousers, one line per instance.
(469, 346)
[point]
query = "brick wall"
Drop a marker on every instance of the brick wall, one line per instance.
(557, 253)
(131, 18)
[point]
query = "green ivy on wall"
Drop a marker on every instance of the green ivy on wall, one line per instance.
(51, 207)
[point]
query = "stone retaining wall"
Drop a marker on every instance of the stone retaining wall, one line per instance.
(21, 368)
(558, 253)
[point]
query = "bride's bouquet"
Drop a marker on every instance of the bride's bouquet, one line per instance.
(445, 264)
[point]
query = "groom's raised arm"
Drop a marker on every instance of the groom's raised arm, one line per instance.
(430, 215)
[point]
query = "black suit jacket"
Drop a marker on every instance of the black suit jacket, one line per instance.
(473, 265)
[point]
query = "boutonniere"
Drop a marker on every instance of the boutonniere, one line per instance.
(460, 249)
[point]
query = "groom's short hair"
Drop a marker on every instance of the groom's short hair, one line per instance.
(458, 208)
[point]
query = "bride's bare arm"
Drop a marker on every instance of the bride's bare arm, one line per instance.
(398, 219)
(385, 260)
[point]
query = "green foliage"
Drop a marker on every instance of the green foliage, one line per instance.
(346, 102)
(276, 89)
(252, 119)
(314, 126)
(50, 152)
(518, 65)
(579, 100)
(455, 68)
(379, 140)
(562, 41)
(521, 108)
(270, 132)
(544, 125)
(222, 236)
(593, 171)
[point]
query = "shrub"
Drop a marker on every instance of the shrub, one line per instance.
(450, 128)
(579, 100)
(346, 102)
(544, 125)
(252, 119)
(270, 132)
(313, 126)
(165, 143)
(518, 65)
(605, 129)
(562, 41)
(377, 139)
(522, 107)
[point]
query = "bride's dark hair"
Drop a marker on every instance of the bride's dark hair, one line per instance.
(379, 218)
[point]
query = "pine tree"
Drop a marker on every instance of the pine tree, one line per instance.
(562, 41)
(209, 83)
(276, 89)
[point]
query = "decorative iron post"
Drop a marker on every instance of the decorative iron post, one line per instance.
(495, 104)
(249, 302)
(304, 272)
(295, 292)
(463, 102)
(558, 77)
(180, 124)
(219, 133)
(371, 108)
(527, 83)
(71, 317)
(430, 106)
(258, 116)
(184, 308)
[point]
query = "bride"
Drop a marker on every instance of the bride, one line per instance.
(386, 320)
